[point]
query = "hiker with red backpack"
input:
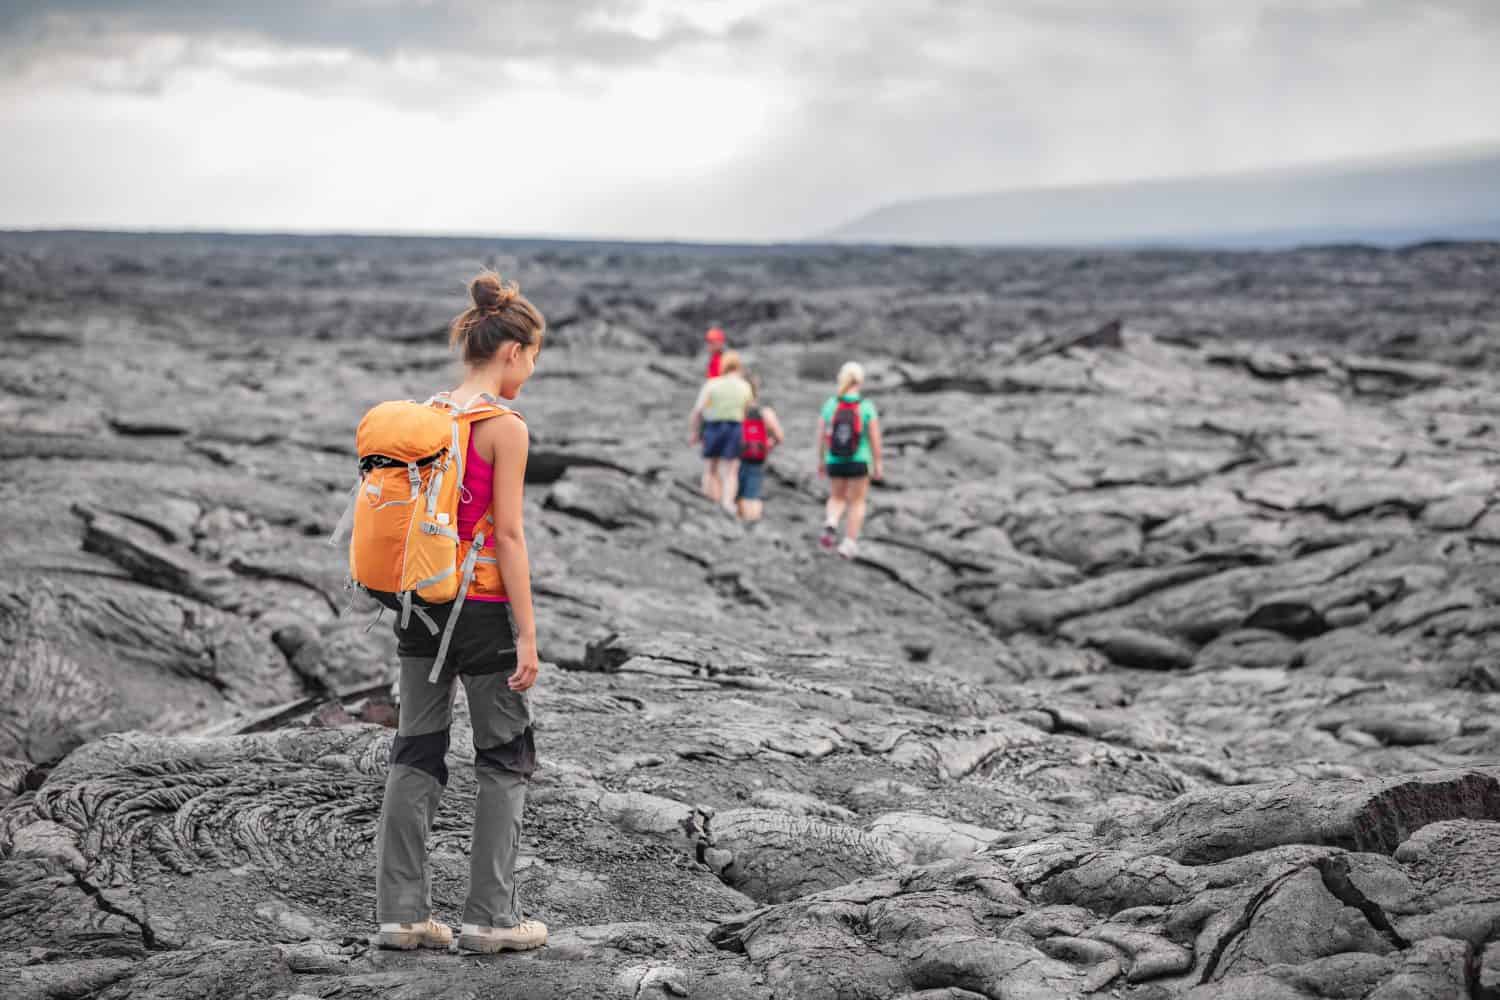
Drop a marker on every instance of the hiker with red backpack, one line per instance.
(437, 537)
(849, 455)
(760, 433)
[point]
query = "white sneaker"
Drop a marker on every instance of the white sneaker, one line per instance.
(423, 934)
(524, 936)
(848, 548)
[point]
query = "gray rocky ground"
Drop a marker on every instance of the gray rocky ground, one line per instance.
(1169, 668)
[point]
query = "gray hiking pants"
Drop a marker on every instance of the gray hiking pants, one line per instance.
(504, 758)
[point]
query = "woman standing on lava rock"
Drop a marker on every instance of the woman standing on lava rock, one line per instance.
(493, 651)
(722, 405)
(849, 453)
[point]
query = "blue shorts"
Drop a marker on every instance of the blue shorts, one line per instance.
(721, 439)
(752, 477)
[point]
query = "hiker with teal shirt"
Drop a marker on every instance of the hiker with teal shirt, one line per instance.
(849, 455)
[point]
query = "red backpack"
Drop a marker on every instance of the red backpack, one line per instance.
(845, 431)
(755, 444)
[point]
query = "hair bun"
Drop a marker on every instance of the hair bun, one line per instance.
(491, 293)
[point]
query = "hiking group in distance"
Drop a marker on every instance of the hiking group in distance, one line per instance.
(737, 432)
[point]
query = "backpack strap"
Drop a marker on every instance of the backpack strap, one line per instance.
(481, 407)
(480, 403)
(466, 577)
(858, 408)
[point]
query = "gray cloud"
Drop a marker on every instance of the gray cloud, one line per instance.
(846, 105)
(564, 34)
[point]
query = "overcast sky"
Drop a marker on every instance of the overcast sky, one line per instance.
(712, 119)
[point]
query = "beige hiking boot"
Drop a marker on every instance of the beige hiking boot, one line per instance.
(404, 937)
(524, 936)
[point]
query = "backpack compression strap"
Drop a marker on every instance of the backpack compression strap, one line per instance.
(466, 577)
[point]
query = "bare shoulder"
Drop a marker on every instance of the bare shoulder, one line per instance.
(502, 435)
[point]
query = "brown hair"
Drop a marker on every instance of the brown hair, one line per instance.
(729, 362)
(499, 314)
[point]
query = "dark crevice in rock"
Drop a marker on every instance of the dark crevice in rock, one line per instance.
(895, 576)
(1335, 873)
(670, 373)
(338, 449)
(148, 936)
(1105, 336)
(283, 715)
(1294, 619)
(423, 337)
(584, 514)
(118, 576)
(1411, 508)
(545, 590)
(147, 523)
(737, 588)
(691, 557)
(1242, 924)
(260, 573)
(604, 657)
(1061, 868)
(146, 428)
(138, 549)
(956, 563)
(976, 385)
(544, 467)
(212, 452)
(1353, 693)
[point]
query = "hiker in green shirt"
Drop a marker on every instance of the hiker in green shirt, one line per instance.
(849, 454)
(721, 406)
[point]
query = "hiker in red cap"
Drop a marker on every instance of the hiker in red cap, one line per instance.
(714, 338)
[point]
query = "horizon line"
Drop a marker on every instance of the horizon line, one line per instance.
(1246, 243)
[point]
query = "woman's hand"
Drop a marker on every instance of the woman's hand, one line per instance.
(822, 471)
(526, 666)
(878, 473)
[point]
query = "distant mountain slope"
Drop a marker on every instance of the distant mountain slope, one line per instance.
(1454, 197)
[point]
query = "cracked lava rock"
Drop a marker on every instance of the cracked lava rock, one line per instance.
(1168, 667)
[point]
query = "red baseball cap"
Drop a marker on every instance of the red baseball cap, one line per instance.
(714, 335)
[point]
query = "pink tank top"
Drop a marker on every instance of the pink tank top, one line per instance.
(474, 502)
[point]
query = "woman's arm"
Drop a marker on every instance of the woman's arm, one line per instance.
(878, 470)
(695, 428)
(773, 426)
(822, 459)
(511, 443)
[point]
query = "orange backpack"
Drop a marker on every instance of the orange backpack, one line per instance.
(402, 517)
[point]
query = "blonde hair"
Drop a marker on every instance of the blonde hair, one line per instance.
(729, 362)
(851, 375)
